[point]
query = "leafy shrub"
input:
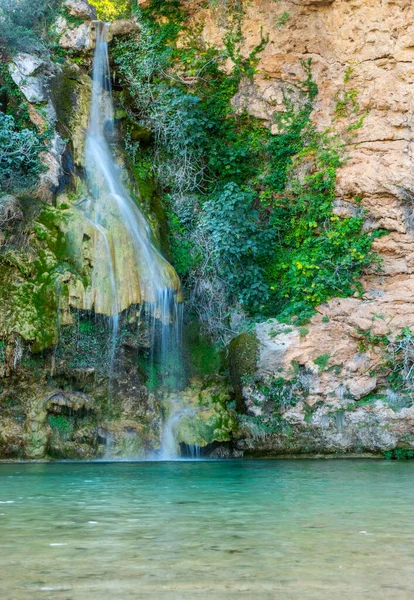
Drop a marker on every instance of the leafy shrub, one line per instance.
(108, 10)
(60, 422)
(19, 154)
(24, 23)
(251, 214)
(399, 454)
(322, 361)
(238, 244)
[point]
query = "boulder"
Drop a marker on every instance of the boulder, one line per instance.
(25, 70)
(243, 353)
(199, 416)
(122, 27)
(78, 39)
(81, 9)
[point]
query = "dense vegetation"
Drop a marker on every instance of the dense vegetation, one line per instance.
(24, 24)
(108, 10)
(19, 155)
(252, 230)
(23, 28)
(250, 213)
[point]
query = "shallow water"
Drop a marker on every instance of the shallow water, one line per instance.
(242, 529)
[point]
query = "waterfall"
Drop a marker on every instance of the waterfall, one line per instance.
(105, 178)
(111, 203)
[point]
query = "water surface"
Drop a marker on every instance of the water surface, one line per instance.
(184, 530)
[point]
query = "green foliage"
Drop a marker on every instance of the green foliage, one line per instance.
(243, 354)
(60, 422)
(399, 454)
(12, 101)
(239, 245)
(180, 244)
(87, 344)
(370, 340)
(274, 398)
(62, 426)
(262, 426)
(347, 105)
(109, 10)
(24, 24)
(346, 101)
(282, 20)
(322, 361)
(200, 355)
(2, 351)
(20, 142)
(19, 154)
(320, 255)
(282, 393)
(250, 213)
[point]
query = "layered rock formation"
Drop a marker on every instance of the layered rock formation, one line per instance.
(332, 393)
(361, 50)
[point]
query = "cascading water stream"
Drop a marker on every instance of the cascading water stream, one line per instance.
(158, 283)
(105, 178)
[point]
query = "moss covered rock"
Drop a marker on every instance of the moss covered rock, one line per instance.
(243, 354)
(202, 415)
(32, 286)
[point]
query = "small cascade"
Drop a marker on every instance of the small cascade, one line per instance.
(194, 451)
(169, 447)
(124, 241)
(108, 447)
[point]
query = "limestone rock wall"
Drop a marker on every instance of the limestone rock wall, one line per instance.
(356, 46)
(364, 48)
(361, 47)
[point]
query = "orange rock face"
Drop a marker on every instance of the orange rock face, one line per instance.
(366, 47)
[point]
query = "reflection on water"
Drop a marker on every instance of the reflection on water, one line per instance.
(247, 529)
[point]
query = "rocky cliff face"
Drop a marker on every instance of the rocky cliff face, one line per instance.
(67, 389)
(363, 51)
(321, 388)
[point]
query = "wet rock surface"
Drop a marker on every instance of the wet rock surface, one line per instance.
(344, 403)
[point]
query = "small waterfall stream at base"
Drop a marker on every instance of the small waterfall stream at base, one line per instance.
(110, 200)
